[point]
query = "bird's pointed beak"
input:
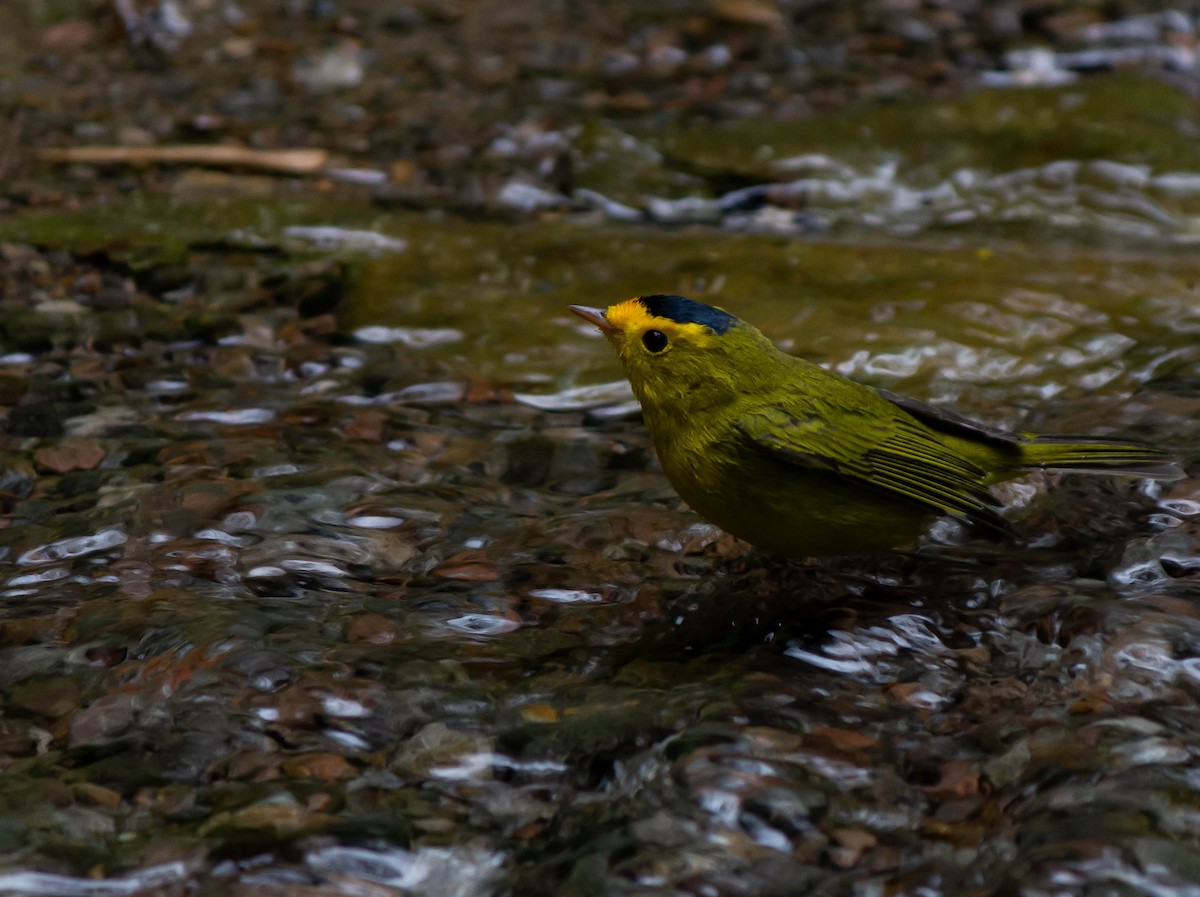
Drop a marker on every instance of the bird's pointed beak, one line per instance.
(594, 316)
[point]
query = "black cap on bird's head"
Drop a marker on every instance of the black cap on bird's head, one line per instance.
(688, 311)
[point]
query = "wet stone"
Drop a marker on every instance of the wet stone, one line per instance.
(437, 745)
(326, 767)
(374, 628)
(83, 455)
(104, 719)
(51, 698)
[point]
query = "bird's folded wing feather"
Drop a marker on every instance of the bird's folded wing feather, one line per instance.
(946, 421)
(897, 456)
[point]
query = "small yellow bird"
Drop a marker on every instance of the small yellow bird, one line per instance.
(803, 462)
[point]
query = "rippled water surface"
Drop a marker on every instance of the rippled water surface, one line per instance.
(335, 558)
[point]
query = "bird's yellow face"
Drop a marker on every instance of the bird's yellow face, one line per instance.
(653, 348)
(677, 353)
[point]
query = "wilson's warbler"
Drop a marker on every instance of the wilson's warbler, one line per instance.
(803, 462)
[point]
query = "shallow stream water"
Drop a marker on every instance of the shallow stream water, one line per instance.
(296, 601)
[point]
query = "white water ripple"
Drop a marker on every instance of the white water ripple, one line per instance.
(79, 546)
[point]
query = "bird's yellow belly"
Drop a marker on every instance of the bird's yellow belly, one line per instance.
(796, 513)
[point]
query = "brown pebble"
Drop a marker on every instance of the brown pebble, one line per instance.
(850, 846)
(367, 425)
(843, 741)
(539, 713)
(473, 572)
(374, 628)
(91, 794)
(323, 766)
(67, 37)
(83, 454)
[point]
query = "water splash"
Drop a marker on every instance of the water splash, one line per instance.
(617, 394)
(412, 337)
(80, 546)
(867, 653)
(567, 596)
(235, 417)
(1151, 562)
(1066, 194)
(483, 624)
(333, 237)
(45, 884)
(424, 872)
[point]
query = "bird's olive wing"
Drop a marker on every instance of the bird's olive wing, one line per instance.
(894, 454)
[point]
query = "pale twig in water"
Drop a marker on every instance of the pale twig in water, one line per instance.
(287, 161)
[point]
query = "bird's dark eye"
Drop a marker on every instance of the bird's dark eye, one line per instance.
(654, 340)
